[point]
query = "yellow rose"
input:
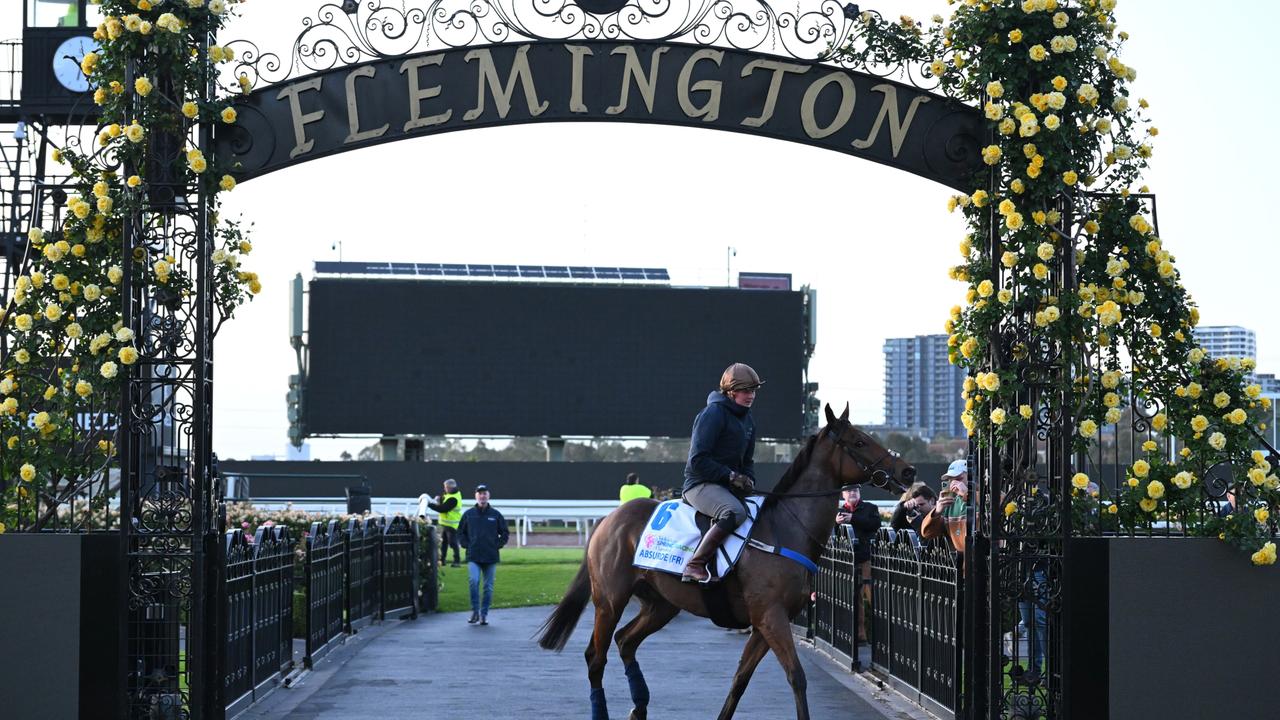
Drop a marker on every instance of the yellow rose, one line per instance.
(1088, 428)
(991, 154)
(969, 347)
(1037, 53)
(1004, 296)
(1069, 177)
(108, 370)
(998, 416)
(1025, 411)
(1040, 270)
(128, 355)
(1236, 417)
(1217, 441)
(1261, 515)
(1221, 400)
(1010, 509)
(1141, 468)
(27, 472)
(227, 183)
(228, 115)
(1015, 36)
(142, 86)
(1194, 390)
(83, 389)
(1147, 504)
(985, 288)
(1199, 423)
(1183, 480)
(1080, 481)
(1112, 509)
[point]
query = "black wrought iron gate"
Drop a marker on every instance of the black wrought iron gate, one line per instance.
(171, 512)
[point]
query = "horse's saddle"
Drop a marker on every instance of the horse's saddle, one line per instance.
(673, 532)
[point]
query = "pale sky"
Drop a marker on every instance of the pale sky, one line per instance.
(875, 242)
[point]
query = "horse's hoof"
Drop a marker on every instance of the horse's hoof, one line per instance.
(638, 714)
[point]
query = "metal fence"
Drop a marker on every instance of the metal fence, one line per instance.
(364, 572)
(325, 575)
(400, 567)
(915, 613)
(833, 614)
(259, 613)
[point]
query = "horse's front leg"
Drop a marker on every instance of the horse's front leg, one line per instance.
(776, 630)
(754, 650)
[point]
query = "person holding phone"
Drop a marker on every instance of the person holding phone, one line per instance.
(947, 519)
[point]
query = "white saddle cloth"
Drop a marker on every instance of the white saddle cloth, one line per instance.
(672, 535)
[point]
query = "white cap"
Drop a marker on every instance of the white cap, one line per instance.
(957, 468)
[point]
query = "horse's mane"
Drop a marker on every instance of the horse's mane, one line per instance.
(793, 472)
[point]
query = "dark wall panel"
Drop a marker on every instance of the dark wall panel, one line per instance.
(522, 480)
(423, 357)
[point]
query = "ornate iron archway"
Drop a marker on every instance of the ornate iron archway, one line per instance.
(455, 65)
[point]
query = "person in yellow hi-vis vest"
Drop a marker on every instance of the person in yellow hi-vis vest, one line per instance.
(449, 505)
(633, 489)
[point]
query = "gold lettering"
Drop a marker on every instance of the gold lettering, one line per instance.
(301, 144)
(488, 76)
(898, 126)
(710, 110)
(644, 82)
(575, 92)
(417, 95)
(353, 112)
(775, 84)
(848, 93)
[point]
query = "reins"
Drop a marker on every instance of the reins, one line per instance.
(869, 471)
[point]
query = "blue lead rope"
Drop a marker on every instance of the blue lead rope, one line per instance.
(788, 553)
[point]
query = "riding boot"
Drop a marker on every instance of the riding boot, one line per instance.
(696, 569)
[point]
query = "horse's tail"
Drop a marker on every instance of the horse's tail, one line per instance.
(559, 626)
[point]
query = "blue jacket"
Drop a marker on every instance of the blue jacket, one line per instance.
(723, 439)
(482, 533)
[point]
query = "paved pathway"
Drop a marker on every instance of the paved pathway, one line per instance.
(440, 667)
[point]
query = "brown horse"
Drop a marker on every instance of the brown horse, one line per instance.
(765, 589)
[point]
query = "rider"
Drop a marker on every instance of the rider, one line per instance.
(720, 463)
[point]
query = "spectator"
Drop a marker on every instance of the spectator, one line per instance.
(864, 518)
(483, 532)
(914, 504)
(449, 505)
(948, 517)
(632, 489)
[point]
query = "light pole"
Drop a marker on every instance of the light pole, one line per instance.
(729, 253)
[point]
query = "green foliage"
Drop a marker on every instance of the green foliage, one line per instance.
(1061, 247)
(68, 350)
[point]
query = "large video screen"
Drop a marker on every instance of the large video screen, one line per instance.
(425, 357)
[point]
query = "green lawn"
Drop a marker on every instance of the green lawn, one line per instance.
(526, 576)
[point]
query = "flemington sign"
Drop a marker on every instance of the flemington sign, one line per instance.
(649, 82)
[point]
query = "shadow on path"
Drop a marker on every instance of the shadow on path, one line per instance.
(440, 667)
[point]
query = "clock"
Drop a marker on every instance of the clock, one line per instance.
(66, 62)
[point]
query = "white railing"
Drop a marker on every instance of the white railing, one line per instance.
(581, 514)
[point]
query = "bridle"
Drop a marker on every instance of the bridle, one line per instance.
(877, 475)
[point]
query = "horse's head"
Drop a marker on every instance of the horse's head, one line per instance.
(873, 462)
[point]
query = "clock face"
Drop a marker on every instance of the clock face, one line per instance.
(66, 62)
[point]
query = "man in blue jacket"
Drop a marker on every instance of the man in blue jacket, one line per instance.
(721, 465)
(482, 531)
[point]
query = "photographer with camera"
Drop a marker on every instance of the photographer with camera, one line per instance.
(914, 504)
